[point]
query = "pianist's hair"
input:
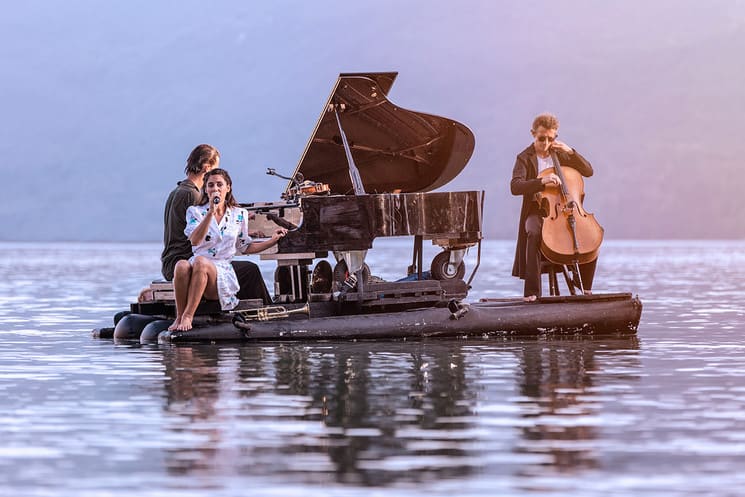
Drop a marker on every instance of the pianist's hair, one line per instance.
(201, 155)
(229, 198)
(548, 121)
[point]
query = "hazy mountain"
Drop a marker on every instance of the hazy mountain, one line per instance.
(102, 101)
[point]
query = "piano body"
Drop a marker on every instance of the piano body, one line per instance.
(368, 171)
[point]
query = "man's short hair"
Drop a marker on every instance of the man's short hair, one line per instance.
(201, 155)
(548, 121)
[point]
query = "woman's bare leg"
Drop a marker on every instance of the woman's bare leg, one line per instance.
(203, 281)
(181, 281)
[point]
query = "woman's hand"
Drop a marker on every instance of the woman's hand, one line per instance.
(256, 247)
(278, 233)
(214, 203)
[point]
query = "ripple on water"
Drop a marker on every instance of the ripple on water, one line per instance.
(653, 416)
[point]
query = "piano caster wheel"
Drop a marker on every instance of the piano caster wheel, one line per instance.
(442, 269)
(341, 275)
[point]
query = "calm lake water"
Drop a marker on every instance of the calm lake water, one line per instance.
(662, 414)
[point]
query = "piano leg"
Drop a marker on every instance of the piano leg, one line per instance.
(416, 263)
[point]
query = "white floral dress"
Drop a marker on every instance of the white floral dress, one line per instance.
(220, 245)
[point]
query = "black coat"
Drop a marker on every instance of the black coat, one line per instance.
(525, 182)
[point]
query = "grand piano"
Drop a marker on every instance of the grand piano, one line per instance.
(368, 171)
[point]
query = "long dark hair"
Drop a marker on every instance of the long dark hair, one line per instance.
(229, 198)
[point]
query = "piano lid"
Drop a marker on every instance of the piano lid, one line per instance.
(393, 148)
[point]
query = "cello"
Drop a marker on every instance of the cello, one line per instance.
(570, 235)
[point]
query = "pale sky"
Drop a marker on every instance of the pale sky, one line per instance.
(102, 101)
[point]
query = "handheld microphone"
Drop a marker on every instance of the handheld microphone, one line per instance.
(216, 200)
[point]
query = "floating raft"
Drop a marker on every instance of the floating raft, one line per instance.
(599, 314)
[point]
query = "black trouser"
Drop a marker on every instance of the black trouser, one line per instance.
(251, 281)
(533, 225)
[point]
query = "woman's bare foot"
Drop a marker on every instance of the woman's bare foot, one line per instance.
(530, 298)
(185, 323)
(176, 323)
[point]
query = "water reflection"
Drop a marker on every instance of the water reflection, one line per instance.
(557, 381)
(542, 417)
(385, 413)
(192, 392)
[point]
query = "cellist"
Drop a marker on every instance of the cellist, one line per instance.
(529, 163)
